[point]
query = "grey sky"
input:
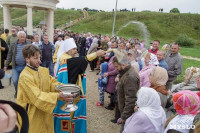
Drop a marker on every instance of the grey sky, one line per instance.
(184, 6)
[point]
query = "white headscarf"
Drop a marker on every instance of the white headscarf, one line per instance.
(150, 104)
(67, 45)
(153, 59)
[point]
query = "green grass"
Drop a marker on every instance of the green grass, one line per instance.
(187, 63)
(162, 26)
(194, 52)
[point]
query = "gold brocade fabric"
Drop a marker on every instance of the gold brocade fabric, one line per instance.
(36, 90)
(55, 54)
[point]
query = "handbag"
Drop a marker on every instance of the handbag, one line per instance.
(104, 80)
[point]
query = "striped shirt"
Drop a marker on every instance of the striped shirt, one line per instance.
(19, 59)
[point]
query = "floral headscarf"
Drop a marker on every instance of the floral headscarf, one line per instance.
(186, 102)
(191, 73)
(166, 47)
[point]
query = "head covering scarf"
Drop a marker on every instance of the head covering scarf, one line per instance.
(165, 47)
(67, 45)
(190, 83)
(150, 104)
(186, 102)
(191, 73)
(158, 79)
(153, 58)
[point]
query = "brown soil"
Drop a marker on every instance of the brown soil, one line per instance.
(98, 118)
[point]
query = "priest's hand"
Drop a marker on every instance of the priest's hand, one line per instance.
(8, 118)
(66, 98)
(101, 53)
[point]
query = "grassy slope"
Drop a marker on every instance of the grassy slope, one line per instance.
(162, 26)
(193, 52)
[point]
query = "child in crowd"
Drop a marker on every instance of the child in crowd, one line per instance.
(102, 81)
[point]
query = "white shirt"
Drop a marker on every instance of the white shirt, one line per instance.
(37, 44)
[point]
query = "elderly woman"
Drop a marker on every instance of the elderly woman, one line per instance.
(150, 61)
(189, 80)
(158, 79)
(150, 117)
(186, 104)
(110, 87)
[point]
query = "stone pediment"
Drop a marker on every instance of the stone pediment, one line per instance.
(37, 4)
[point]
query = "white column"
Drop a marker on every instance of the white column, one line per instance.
(7, 17)
(50, 24)
(29, 20)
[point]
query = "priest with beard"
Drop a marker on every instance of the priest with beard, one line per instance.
(37, 93)
(71, 69)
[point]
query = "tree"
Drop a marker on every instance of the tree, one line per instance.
(86, 8)
(174, 10)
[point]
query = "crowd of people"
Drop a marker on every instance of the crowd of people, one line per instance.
(138, 77)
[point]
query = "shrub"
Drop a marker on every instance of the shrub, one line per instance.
(174, 10)
(184, 40)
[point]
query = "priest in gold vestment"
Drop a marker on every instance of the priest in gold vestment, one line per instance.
(36, 93)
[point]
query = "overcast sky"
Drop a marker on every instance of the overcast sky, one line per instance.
(185, 6)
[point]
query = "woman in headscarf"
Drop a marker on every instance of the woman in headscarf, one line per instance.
(150, 61)
(189, 80)
(158, 79)
(189, 84)
(111, 85)
(150, 117)
(186, 104)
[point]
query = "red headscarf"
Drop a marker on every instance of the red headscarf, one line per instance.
(186, 102)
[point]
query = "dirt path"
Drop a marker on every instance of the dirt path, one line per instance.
(191, 58)
(85, 15)
(98, 118)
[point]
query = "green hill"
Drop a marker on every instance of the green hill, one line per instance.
(162, 26)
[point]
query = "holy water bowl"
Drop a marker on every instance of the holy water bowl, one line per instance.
(68, 90)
